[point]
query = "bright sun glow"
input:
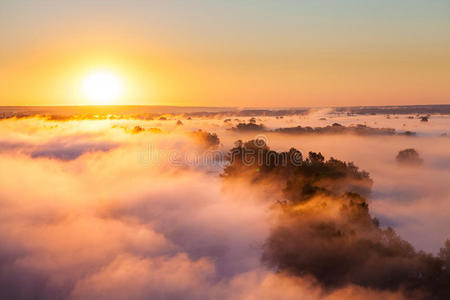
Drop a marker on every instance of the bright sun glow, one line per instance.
(102, 87)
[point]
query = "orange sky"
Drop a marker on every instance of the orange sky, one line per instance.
(227, 54)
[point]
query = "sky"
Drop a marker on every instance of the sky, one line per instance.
(227, 53)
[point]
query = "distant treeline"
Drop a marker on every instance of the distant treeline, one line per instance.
(335, 128)
(407, 109)
(152, 112)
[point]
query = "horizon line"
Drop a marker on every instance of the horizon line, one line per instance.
(221, 107)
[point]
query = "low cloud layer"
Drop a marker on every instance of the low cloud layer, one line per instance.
(82, 216)
(63, 148)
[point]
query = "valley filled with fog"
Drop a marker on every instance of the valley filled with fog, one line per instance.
(91, 204)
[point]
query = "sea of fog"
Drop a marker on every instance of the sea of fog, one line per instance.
(127, 207)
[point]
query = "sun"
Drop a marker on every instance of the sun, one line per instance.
(102, 87)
